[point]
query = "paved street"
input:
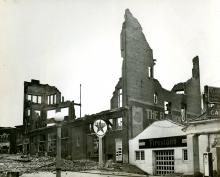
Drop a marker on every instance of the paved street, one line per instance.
(83, 174)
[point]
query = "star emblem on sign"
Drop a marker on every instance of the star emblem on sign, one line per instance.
(100, 127)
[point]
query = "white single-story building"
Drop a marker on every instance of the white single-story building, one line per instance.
(167, 147)
(160, 149)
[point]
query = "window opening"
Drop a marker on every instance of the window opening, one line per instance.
(150, 72)
(167, 107)
(39, 99)
(183, 112)
(90, 128)
(48, 100)
(111, 124)
(155, 98)
(37, 112)
(29, 97)
(55, 99)
(185, 154)
(120, 98)
(139, 155)
(52, 142)
(29, 112)
(180, 92)
(34, 99)
(119, 123)
(51, 99)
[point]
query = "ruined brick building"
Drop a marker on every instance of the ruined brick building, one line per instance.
(7, 140)
(137, 101)
(141, 93)
(41, 102)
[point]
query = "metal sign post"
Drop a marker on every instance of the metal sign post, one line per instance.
(100, 128)
(100, 153)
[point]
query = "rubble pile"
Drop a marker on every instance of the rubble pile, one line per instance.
(68, 165)
(79, 165)
(26, 164)
(44, 163)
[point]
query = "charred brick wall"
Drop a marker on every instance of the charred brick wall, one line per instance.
(143, 95)
(39, 99)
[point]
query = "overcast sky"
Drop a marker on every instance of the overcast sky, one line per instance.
(68, 42)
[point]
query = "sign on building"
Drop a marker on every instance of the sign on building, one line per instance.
(175, 141)
(213, 94)
(214, 112)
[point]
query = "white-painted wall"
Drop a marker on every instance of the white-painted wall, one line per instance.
(158, 129)
(208, 133)
(203, 144)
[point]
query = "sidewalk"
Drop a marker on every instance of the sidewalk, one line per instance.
(102, 172)
(90, 173)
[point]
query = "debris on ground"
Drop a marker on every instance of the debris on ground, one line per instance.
(31, 164)
(124, 167)
(43, 163)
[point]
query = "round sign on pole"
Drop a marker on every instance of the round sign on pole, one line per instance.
(100, 127)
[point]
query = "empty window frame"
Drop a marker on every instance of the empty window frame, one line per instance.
(34, 99)
(139, 155)
(39, 99)
(183, 112)
(37, 112)
(28, 112)
(150, 71)
(120, 98)
(29, 97)
(185, 154)
(48, 100)
(90, 128)
(119, 123)
(167, 107)
(180, 92)
(51, 99)
(155, 98)
(110, 125)
(55, 99)
(52, 142)
(51, 114)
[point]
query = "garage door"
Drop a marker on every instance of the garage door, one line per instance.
(164, 162)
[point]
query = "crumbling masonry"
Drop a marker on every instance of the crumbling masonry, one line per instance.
(137, 101)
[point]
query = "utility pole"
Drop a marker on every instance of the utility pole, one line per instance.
(80, 100)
